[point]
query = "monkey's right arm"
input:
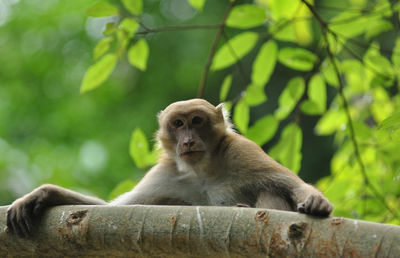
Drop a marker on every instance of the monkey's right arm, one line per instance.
(24, 212)
(162, 185)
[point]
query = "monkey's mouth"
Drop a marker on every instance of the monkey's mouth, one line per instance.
(187, 154)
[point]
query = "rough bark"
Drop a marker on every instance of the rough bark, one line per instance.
(177, 231)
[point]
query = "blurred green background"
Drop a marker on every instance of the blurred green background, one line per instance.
(49, 132)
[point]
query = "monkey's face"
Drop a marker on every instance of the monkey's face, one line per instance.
(189, 130)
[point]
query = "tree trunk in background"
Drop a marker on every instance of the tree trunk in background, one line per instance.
(178, 231)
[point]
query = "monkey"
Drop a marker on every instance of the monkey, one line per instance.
(203, 161)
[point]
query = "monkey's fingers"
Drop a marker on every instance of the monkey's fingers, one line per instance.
(301, 207)
(13, 222)
(26, 222)
(317, 205)
(19, 221)
(9, 227)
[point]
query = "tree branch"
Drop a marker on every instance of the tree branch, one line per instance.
(206, 69)
(187, 231)
(147, 30)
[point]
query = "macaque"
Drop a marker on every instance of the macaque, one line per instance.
(203, 162)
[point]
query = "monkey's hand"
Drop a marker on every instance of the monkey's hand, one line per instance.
(24, 212)
(317, 205)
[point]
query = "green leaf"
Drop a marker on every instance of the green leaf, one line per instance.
(197, 4)
(255, 95)
(123, 39)
(283, 8)
(332, 121)
(334, 43)
(303, 26)
(133, 6)
(241, 116)
(316, 103)
(356, 78)
(381, 107)
(234, 50)
(329, 73)
(129, 25)
(288, 149)
(363, 132)
(349, 24)
(378, 27)
(289, 97)
(98, 72)
(139, 148)
(122, 187)
(378, 63)
(309, 107)
(297, 58)
(246, 16)
(263, 130)
(101, 9)
(138, 54)
(110, 29)
(283, 31)
(226, 85)
(264, 63)
(390, 123)
(102, 47)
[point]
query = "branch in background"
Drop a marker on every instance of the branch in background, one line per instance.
(346, 8)
(147, 30)
(325, 31)
(364, 46)
(246, 80)
(367, 181)
(353, 54)
(307, 78)
(206, 69)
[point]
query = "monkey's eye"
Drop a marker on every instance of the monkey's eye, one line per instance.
(178, 123)
(197, 120)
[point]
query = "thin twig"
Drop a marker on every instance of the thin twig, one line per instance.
(147, 30)
(351, 19)
(347, 9)
(368, 66)
(357, 153)
(246, 80)
(206, 69)
(364, 46)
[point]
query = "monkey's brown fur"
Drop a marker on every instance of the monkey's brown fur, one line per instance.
(203, 162)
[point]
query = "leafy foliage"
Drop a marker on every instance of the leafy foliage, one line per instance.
(98, 73)
(101, 9)
(288, 149)
(138, 54)
(234, 49)
(246, 16)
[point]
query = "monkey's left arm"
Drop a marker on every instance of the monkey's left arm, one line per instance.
(283, 189)
(311, 201)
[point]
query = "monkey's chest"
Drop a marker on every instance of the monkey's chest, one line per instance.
(226, 196)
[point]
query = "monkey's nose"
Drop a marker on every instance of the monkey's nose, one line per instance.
(189, 144)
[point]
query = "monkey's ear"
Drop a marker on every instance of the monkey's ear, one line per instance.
(225, 115)
(159, 117)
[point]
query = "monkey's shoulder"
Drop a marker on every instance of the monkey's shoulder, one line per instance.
(243, 155)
